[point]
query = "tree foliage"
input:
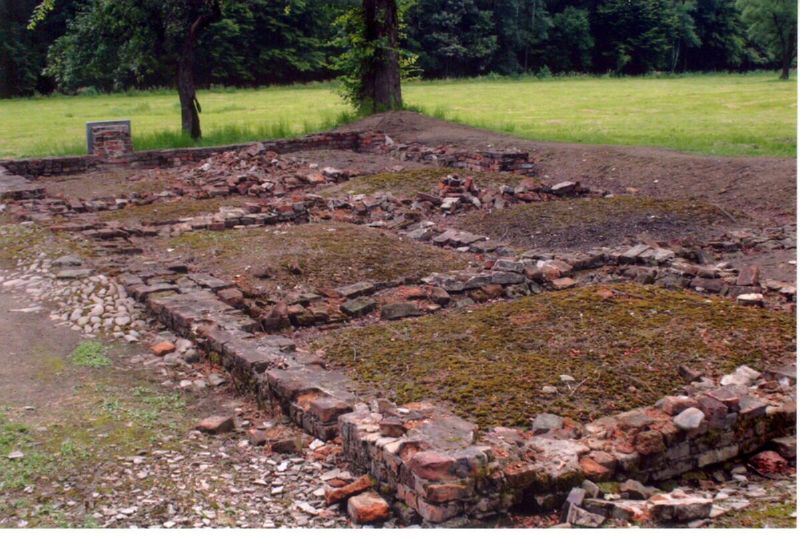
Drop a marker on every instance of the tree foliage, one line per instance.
(772, 25)
(117, 44)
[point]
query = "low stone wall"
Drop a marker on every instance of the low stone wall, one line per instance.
(496, 161)
(440, 465)
(14, 187)
(358, 141)
(435, 465)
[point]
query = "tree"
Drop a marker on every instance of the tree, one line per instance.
(23, 52)
(148, 33)
(681, 28)
(635, 36)
(451, 37)
(370, 62)
(191, 17)
(570, 41)
(772, 24)
(720, 35)
(381, 76)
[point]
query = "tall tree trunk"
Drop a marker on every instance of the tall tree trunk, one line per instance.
(190, 117)
(786, 60)
(381, 79)
(187, 92)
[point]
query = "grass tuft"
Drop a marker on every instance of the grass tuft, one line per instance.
(90, 354)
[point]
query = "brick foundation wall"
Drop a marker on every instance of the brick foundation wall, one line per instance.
(53, 166)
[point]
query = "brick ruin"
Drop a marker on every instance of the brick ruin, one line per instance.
(109, 140)
(422, 456)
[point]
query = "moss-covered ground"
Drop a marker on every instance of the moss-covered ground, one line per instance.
(490, 363)
(761, 514)
(314, 254)
(424, 180)
(106, 182)
(596, 221)
(24, 241)
(170, 210)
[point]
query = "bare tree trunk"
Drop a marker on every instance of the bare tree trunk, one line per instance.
(190, 117)
(187, 92)
(786, 61)
(381, 82)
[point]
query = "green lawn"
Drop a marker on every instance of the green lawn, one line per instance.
(750, 114)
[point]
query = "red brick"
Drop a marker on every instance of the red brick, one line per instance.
(432, 465)
(368, 507)
(163, 348)
(361, 484)
(593, 470)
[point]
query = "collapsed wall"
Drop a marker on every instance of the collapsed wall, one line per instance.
(440, 465)
(356, 141)
(433, 462)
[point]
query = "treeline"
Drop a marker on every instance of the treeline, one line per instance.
(110, 45)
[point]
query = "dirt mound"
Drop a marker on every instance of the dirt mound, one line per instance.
(764, 187)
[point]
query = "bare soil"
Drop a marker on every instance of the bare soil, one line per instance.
(109, 181)
(763, 187)
(355, 163)
(586, 223)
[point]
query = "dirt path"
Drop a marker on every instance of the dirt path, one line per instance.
(764, 187)
(113, 446)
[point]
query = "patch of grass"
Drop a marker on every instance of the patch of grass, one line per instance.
(761, 514)
(54, 125)
(412, 181)
(724, 114)
(490, 363)
(589, 222)
(17, 473)
(314, 254)
(750, 114)
(154, 406)
(90, 354)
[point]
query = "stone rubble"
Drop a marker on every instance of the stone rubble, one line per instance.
(434, 466)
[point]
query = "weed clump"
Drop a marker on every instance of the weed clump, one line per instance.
(90, 354)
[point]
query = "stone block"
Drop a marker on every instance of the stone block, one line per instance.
(368, 507)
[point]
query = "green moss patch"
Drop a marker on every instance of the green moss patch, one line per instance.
(762, 514)
(413, 181)
(491, 363)
(594, 222)
(170, 210)
(314, 254)
(21, 242)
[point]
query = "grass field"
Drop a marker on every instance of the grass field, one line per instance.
(753, 114)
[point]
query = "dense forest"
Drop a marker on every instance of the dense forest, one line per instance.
(107, 45)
